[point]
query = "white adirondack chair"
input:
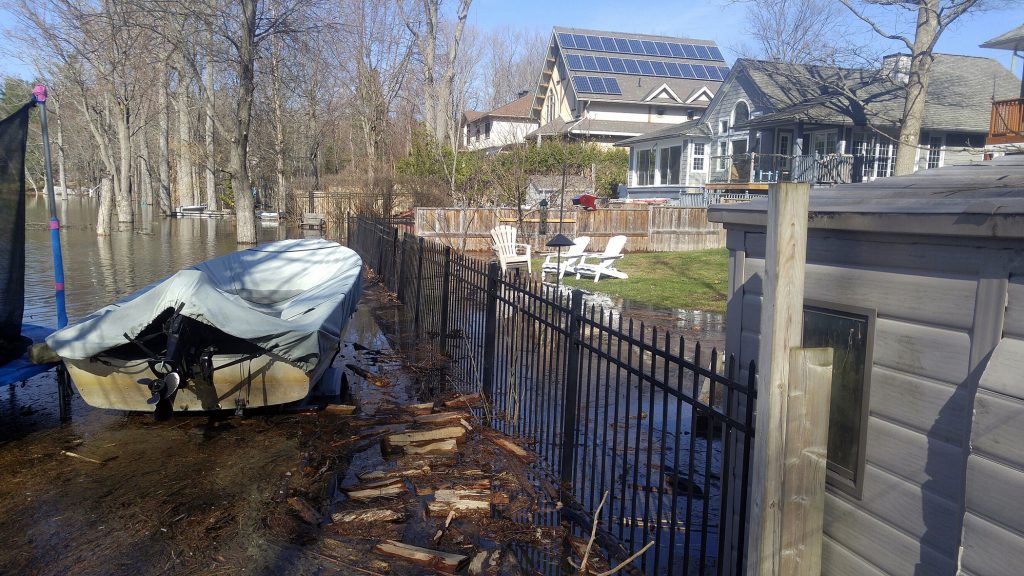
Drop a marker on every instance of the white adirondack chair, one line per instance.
(508, 250)
(570, 258)
(605, 260)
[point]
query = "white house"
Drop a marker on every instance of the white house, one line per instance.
(607, 86)
(508, 124)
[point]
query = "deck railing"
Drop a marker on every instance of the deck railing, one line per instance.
(1007, 123)
(768, 168)
(608, 404)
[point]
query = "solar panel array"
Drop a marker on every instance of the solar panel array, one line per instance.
(596, 85)
(664, 69)
(640, 47)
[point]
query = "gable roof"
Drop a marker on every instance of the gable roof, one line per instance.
(690, 128)
(518, 108)
(1012, 40)
(633, 87)
(959, 97)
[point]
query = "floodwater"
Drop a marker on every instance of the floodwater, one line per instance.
(118, 493)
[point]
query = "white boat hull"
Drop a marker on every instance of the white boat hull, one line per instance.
(261, 381)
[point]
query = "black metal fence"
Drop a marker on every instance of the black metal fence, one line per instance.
(610, 405)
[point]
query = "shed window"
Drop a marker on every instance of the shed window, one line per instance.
(849, 333)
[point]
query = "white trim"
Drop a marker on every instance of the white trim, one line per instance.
(702, 90)
(662, 90)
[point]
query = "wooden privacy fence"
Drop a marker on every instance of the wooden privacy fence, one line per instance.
(648, 228)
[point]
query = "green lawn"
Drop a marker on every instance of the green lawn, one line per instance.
(691, 280)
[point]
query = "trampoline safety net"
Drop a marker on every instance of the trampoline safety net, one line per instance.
(13, 135)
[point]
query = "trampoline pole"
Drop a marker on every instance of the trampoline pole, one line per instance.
(39, 96)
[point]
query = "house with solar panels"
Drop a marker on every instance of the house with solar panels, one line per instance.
(775, 121)
(605, 87)
(505, 125)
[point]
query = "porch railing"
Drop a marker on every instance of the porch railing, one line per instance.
(768, 168)
(1007, 123)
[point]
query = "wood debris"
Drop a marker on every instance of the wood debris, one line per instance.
(440, 561)
(425, 408)
(304, 510)
(432, 448)
(515, 449)
(340, 409)
(384, 488)
(465, 400)
(375, 475)
(371, 515)
(439, 418)
(405, 438)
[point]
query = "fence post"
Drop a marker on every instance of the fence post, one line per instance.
(402, 272)
(569, 398)
(490, 332)
(380, 251)
(442, 329)
(803, 485)
(781, 330)
(394, 259)
(419, 285)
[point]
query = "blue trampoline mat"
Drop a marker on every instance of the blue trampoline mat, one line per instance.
(21, 369)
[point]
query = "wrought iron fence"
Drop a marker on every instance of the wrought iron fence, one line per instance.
(610, 405)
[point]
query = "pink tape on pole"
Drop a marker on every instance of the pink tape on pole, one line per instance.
(54, 224)
(59, 286)
(39, 93)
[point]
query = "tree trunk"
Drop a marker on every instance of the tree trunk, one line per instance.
(211, 163)
(278, 99)
(917, 86)
(145, 173)
(245, 216)
(164, 197)
(186, 194)
(61, 174)
(122, 198)
(106, 206)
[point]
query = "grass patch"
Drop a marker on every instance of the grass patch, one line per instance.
(696, 280)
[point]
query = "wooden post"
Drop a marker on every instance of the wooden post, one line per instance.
(803, 504)
(781, 330)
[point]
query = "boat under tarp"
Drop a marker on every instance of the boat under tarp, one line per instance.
(257, 327)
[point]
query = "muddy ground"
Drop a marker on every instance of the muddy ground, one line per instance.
(119, 493)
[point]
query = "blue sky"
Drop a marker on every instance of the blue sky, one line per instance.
(719, 20)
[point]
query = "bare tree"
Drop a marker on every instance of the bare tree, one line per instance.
(513, 61)
(438, 77)
(933, 17)
(797, 31)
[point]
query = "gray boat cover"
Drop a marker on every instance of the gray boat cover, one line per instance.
(291, 298)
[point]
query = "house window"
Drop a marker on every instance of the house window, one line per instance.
(723, 152)
(645, 160)
(670, 164)
(689, 114)
(935, 151)
(825, 143)
(698, 156)
(487, 129)
(883, 160)
(723, 126)
(849, 332)
(741, 113)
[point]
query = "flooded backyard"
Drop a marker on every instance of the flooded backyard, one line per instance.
(114, 492)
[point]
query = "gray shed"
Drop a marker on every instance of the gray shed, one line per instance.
(918, 282)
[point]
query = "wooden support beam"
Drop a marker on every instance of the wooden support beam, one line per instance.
(781, 330)
(803, 486)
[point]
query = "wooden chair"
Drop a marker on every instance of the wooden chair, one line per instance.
(605, 260)
(570, 258)
(508, 250)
